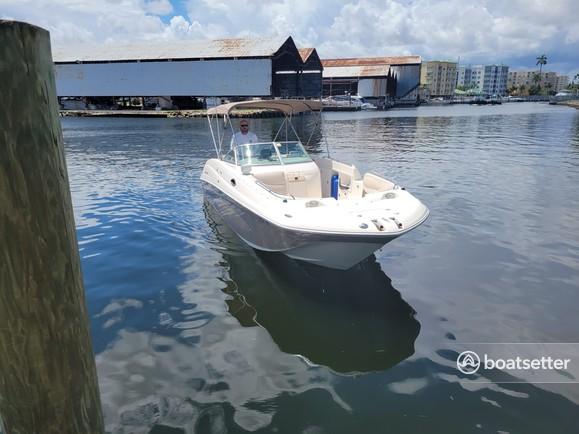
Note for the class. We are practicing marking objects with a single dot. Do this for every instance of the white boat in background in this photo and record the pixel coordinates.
(364, 105)
(276, 198)
(348, 101)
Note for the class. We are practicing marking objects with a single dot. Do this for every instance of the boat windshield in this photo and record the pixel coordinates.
(271, 153)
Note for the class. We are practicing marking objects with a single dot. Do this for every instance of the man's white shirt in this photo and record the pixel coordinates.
(242, 139)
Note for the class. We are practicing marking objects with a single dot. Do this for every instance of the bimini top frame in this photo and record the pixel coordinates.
(288, 107)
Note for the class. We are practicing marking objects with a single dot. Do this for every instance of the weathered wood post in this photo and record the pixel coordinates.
(48, 381)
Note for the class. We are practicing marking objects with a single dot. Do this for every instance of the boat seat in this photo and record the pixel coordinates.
(350, 187)
(265, 154)
(373, 183)
(304, 181)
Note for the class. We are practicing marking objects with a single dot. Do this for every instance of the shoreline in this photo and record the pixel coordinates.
(198, 113)
(201, 113)
(572, 103)
(163, 113)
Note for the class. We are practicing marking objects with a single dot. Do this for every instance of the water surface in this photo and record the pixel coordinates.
(195, 332)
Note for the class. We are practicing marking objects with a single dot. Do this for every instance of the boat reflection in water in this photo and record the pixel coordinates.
(350, 321)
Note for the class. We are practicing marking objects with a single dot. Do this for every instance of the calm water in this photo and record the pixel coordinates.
(194, 332)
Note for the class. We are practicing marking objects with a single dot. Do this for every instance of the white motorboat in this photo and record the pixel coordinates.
(276, 198)
(364, 105)
(348, 101)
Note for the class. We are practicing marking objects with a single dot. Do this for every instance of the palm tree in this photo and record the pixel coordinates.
(535, 89)
(541, 60)
(574, 85)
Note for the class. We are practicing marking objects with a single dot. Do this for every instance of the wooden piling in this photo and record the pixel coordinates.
(48, 381)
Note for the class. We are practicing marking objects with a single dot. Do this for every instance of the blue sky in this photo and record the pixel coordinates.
(513, 32)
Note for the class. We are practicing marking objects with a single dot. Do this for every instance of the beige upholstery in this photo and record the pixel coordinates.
(312, 180)
(298, 180)
(274, 179)
(349, 178)
(305, 182)
(374, 183)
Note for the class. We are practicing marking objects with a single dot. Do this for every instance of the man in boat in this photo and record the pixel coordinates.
(243, 136)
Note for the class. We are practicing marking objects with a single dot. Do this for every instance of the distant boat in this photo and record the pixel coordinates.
(355, 101)
(364, 105)
(479, 100)
(439, 101)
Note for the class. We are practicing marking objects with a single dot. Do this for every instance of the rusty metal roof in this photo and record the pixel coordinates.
(368, 61)
(356, 71)
(305, 53)
(183, 49)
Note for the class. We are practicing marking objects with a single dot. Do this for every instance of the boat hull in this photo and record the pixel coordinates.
(340, 251)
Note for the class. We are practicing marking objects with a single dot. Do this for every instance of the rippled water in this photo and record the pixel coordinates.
(194, 332)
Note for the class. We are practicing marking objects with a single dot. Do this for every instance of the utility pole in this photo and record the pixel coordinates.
(48, 381)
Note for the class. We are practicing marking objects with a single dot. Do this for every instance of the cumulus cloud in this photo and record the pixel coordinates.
(489, 31)
(158, 7)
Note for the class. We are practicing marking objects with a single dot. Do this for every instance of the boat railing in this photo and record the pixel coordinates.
(269, 190)
(229, 156)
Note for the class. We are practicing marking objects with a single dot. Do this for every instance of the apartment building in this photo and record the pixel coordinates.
(562, 82)
(495, 80)
(552, 80)
(439, 78)
(471, 77)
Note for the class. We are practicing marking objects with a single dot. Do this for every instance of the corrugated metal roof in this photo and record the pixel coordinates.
(359, 61)
(356, 71)
(149, 50)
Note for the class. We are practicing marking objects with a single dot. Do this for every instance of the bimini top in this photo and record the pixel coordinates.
(287, 106)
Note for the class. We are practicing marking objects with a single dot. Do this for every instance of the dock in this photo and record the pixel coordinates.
(338, 108)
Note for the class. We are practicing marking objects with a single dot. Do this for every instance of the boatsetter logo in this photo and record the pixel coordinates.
(469, 362)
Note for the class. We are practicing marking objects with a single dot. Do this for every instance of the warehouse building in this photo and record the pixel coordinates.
(375, 78)
(228, 68)
(311, 86)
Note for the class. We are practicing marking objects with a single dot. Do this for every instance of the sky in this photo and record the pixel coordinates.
(512, 32)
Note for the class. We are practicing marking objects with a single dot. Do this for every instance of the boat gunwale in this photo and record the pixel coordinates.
(362, 235)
